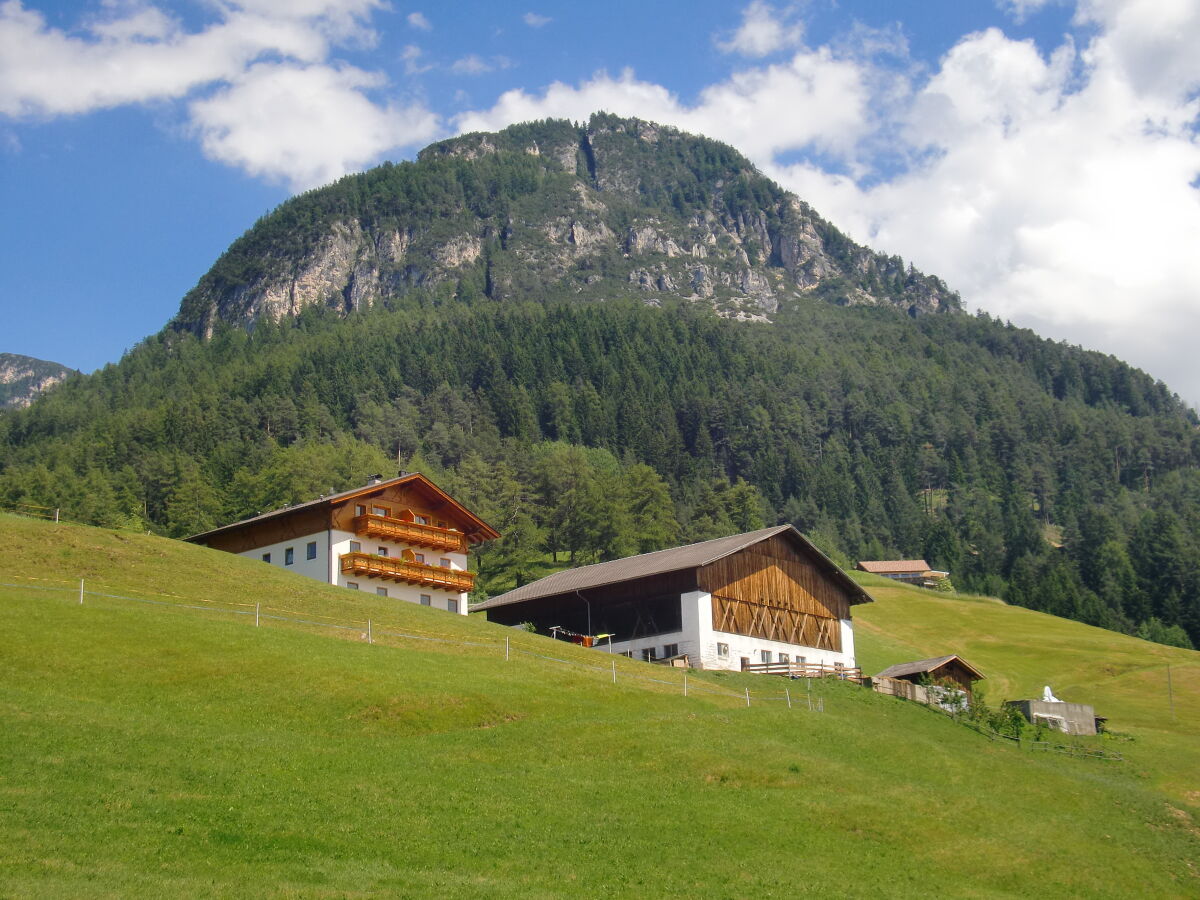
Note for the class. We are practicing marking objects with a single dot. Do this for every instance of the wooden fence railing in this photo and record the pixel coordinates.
(804, 670)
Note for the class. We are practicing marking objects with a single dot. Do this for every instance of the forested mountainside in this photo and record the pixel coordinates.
(587, 417)
(22, 378)
(549, 210)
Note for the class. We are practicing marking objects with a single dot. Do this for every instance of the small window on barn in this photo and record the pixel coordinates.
(628, 654)
(444, 562)
(383, 551)
(723, 651)
(360, 510)
(266, 557)
(670, 650)
(382, 592)
(310, 552)
(783, 658)
(289, 555)
(426, 600)
(355, 547)
(766, 655)
(353, 585)
(452, 604)
(648, 654)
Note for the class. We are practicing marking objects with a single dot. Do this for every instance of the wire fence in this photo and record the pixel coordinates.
(49, 513)
(501, 648)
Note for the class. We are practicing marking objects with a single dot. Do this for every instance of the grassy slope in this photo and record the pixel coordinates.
(149, 750)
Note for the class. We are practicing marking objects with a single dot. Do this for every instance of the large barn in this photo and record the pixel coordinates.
(766, 596)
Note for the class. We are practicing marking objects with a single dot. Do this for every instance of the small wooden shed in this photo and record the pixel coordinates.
(952, 668)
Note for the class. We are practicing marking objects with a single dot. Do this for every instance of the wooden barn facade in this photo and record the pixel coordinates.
(765, 597)
(402, 537)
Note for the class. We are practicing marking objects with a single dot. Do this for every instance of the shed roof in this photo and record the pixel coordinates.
(922, 666)
(660, 562)
(483, 531)
(879, 566)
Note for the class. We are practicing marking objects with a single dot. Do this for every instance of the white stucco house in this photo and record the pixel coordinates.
(766, 597)
(403, 538)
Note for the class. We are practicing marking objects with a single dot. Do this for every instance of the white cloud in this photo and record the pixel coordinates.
(477, 65)
(411, 57)
(418, 21)
(533, 20)
(764, 30)
(262, 90)
(304, 124)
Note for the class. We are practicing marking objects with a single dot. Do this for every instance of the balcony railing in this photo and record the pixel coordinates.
(800, 670)
(389, 529)
(368, 565)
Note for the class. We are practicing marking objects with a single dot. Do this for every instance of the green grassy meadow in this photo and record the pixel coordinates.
(165, 750)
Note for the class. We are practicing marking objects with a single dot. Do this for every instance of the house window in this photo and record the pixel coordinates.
(310, 551)
(422, 520)
(441, 524)
(452, 605)
(382, 592)
(289, 556)
(670, 650)
(379, 510)
(419, 557)
(426, 600)
(383, 551)
(360, 510)
(355, 547)
(445, 563)
(648, 654)
(766, 655)
(723, 651)
(783, 657)
(628, 654)
(266, 557)
(353, 585)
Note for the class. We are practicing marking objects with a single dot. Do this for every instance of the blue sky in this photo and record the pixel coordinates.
(1041, 156)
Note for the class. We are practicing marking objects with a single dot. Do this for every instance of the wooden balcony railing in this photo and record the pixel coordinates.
(389, 529)
(798, 670)
(368, 565)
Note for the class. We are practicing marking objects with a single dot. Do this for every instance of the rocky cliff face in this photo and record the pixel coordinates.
(618, 207)
(22, 378)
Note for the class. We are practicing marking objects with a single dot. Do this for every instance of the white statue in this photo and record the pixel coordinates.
(1048, 695)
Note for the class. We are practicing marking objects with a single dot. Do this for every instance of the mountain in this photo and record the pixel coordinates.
(519, 344)
(614, 208)
(22, 378)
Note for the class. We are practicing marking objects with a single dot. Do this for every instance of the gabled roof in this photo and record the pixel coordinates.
(660, 562)
(922, 666)
(482, 530)
(879, 566)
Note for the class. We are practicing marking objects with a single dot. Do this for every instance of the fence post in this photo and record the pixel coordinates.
(685, 684)
(370, 637)
(614, 662)
(1170, 693)
(81, 592)
(787, 693)
(257, 609)
(747, 696)
(56, 515)
(506, 639)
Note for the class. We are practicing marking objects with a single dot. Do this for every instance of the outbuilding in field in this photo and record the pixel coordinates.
(943, 680)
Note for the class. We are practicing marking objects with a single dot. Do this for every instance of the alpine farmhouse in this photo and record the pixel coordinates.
(404, 538)
(764, 597)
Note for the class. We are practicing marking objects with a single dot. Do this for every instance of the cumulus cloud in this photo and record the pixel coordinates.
(262, 88)
(304, 124)
(417, 20)
(533, 20)
(764, 30)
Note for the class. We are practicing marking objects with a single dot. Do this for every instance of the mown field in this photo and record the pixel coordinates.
(174, 749)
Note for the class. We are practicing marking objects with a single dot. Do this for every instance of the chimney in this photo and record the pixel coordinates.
(374, 480)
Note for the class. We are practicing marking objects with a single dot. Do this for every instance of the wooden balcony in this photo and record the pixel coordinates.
(368, 565)
(389, 529)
